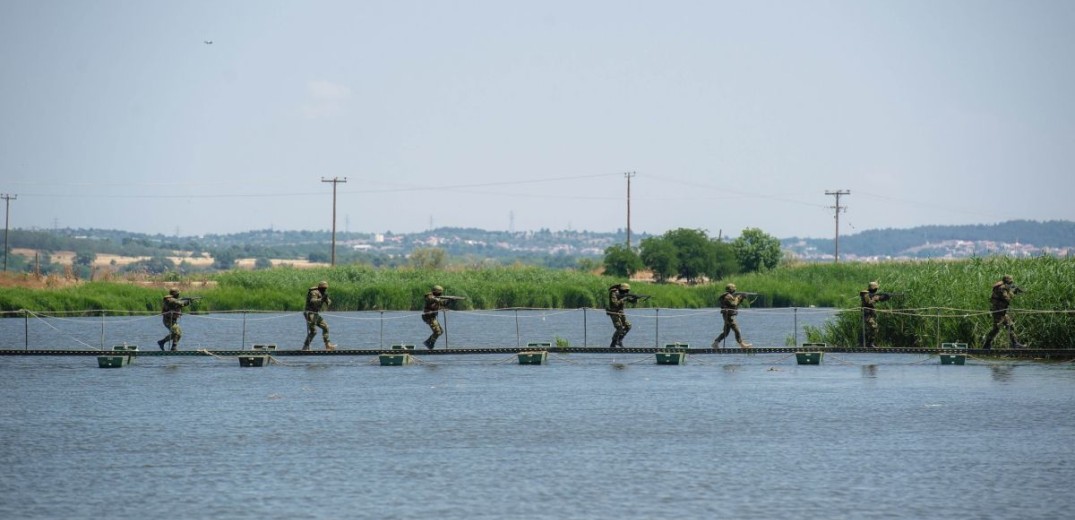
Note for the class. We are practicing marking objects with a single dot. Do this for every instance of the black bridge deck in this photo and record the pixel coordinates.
(1038, 353)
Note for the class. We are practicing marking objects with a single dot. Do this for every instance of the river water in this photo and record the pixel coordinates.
(373, 330)
(585, 436)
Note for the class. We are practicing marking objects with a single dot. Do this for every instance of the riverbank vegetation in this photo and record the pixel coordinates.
(939, 301)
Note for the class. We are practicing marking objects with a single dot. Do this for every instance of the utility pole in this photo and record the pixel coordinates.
(628, 175)
(838, 209)
(7, 217)
(334, 181)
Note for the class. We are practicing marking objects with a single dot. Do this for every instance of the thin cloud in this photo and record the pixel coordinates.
(324, 99)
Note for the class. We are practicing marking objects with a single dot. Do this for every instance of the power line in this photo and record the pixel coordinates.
(948, 207)
(734, 193)
(397, 188)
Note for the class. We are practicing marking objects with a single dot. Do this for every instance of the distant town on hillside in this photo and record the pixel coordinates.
(32, 248)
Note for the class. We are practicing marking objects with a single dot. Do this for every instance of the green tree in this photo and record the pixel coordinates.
(85, 258)
(659, 255)
(262, 262)
(42, 264)
(756, 250)
(152, 265)
(620, 260)
(224, 259)
(428, 258)
(694, 253)
(725, 264)
(587, 264)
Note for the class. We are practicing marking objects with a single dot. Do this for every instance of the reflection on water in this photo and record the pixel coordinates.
(869, 371)
(735, 435)
(586, 436)
(1002, 373)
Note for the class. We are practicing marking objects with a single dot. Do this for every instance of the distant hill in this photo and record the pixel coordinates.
(555, 249)
(1018, 236)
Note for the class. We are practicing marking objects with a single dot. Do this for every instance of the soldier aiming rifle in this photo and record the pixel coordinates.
(729, 308)
(868, 299)
(435, 300)
(1004, 292)
(619, 296)
(317, 300)
(171, 310)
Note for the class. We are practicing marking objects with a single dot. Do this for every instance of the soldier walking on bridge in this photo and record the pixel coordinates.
(618, 297)
(729, 308)
(1004, 292)
(434, 302)
(869, 298)
(317, 300)
(171, 310)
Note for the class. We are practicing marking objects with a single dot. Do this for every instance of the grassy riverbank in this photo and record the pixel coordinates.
(942, 300)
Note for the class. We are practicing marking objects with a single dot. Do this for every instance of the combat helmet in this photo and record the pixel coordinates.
(730, 287)
(174, 292)
(873, 286)
(437, 289)
(322, 285)
(625, 286)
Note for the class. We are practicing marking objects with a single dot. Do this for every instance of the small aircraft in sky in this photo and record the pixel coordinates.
(208, 42)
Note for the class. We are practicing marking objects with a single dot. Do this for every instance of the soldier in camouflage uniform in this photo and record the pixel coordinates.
(1004, 292)
(317, 300)
(869, 298)
(171, 310)
(618, 296)
(729, 308)
(433, 304)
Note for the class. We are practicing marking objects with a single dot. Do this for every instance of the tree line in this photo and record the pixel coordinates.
(691, 255)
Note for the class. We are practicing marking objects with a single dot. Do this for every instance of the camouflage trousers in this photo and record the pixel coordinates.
(619, 321)
(313, 322)
(434, 325)
(730, 325)
(1001, 319)
(174, 332)
(869, 330)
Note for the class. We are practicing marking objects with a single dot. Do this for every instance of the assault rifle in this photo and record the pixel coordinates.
(1016, 289)
(451, 298)
(743, 293)
(191, 299)
(635, 298)
(889, 295)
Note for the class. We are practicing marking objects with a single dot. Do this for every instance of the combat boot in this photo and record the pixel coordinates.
(330, 346)
(175, 345)
(716, 344)
(744, 344)
(429, 342)
(161, 343)
(306, 347)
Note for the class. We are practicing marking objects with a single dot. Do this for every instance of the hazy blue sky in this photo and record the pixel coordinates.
(495, 114)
